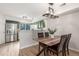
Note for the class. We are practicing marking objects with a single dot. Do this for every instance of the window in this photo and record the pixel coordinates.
(24, 26)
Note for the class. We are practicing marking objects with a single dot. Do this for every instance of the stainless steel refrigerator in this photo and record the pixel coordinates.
(10, 32)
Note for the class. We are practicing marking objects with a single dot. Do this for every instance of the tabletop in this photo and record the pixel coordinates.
(50, 41)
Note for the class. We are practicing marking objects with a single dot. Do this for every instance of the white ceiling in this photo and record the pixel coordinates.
(32, 10)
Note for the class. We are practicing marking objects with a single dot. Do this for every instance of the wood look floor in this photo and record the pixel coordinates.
(9, 49)
(32, 51)
(12, 49)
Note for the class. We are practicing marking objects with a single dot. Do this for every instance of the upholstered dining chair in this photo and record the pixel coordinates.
(60, 47)
(67, 43)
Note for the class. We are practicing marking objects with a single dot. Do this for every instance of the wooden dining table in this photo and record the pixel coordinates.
(47, 42)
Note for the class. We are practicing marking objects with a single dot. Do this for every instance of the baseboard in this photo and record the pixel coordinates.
(75, 50)
(28, 45)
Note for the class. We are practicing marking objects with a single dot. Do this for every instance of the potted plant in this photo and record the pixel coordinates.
(51, 32)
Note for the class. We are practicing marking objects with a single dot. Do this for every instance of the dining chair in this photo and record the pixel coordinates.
(40, 35)
(67, 43)
(46, 34)
(56, 49)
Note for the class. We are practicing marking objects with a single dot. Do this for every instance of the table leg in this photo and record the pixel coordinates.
(46, 51)
(42, 51)
(39, 47)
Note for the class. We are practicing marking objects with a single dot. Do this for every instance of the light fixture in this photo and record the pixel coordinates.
(50, 13)
(26, 17)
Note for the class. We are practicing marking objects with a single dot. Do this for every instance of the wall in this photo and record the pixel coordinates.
(26, 39)
(2, 29)
(67, 24)
(3, 18)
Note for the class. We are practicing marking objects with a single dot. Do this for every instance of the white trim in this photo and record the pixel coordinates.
(74, 49)
(28, 45)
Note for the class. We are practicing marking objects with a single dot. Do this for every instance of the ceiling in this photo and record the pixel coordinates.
(32, 10)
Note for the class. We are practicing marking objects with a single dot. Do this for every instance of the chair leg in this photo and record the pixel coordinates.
(63, 53)
(57, 54)
(50, 52)
(39, 48)
(53, 53)
(47, 52)
(67, 51)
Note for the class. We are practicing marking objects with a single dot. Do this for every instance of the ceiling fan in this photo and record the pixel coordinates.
(51, 12)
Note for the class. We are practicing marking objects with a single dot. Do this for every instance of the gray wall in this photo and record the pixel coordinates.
(67, 24)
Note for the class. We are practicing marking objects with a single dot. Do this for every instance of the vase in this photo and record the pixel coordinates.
(51, 35)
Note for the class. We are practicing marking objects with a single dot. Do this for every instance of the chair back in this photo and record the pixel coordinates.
(46, 34)
(67, 40)
(40, 35)
(62, 42)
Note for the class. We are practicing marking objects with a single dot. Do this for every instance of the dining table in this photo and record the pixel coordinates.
(47, 42)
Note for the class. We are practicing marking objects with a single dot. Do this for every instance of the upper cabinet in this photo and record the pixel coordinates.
(59, 8)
